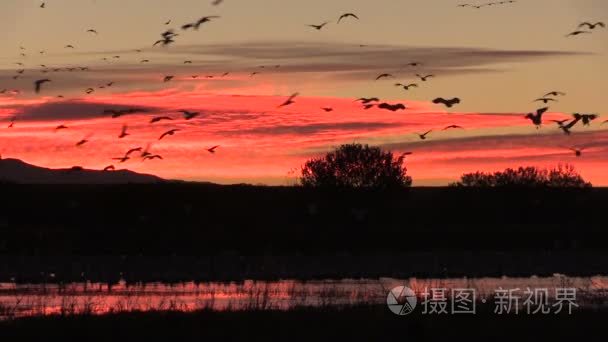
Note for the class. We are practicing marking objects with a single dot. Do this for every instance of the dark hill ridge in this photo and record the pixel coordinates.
(20, 172)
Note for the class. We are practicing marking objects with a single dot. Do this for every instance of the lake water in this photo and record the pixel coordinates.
(22, 300)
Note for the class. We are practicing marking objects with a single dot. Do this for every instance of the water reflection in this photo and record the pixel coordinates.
(21, 300)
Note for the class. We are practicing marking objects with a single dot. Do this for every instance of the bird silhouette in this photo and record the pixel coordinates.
(196, 25)
(576, 33)
(585, 118)
(578, 152)
(168, 78)
(592, 26)
(123, 132)
(537, 118)
(392, 107)
(566, 128)
(69, 47)
(89, 90)
(453, 127)
(92, 31)
(327, 109)
(189, 115)
(212, 149)
(424, 78)
(447, 102)
(109, 168)
(545, 100)
(122, 159)
(423, 136)
(120, 112)
(152, 157)
(319, 27)
(289, 101)
(133, 150)
(365, 100)
(383, 76)
(170, 132)
(38, 84)
(187, 62)
(346, 15)
(83, 141)
(160, 118)
(408, 86)
(216, 2)
(168, 22)
(413, 64)
(60, 127)
(145, 61)
(555, 93)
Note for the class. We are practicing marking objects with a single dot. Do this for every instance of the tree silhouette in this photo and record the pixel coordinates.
(356, 166)
(562, 176)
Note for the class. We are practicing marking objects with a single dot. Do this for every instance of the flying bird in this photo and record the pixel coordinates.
(424, 78)
(392, 107)
(168, 22)
(133, 150)
(152, 157)
(187, 62)
(592, 26)
(212, 149)
(453, 127)
(576, 33)
(577, 151)
(414, 64)
(123, 132)
(160, 118)
(423, 135)
(586, 118)
(537, 118)
(197, 24)
(346, 15)
(216, 2)
(89, 90)
(189, 115)
(383, 76)
(170, 132)
(555, 93)
(109, 168)
(168, 78)
(545, 100)
(319, 27)
(289, 101)
(365, 100)
(327, 109)
(83, 141)
(92, 31)
(69, 46)
(122, 159)
(447, 102)
(60, 127)
(38, 84)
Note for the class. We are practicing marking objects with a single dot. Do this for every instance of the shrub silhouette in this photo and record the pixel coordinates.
(356, 166)
(562, 176)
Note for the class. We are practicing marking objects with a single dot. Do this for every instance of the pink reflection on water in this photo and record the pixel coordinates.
(22, 300)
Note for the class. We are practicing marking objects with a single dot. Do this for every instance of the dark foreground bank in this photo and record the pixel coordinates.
(375, 323)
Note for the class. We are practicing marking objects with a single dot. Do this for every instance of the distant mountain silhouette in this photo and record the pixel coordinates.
(18, 171)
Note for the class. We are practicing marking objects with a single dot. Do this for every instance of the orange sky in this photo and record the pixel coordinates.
(497, 70)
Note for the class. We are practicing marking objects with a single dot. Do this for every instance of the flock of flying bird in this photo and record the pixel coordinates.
(168, 37)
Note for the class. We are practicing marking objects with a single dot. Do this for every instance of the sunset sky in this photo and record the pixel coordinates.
(497, 59)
